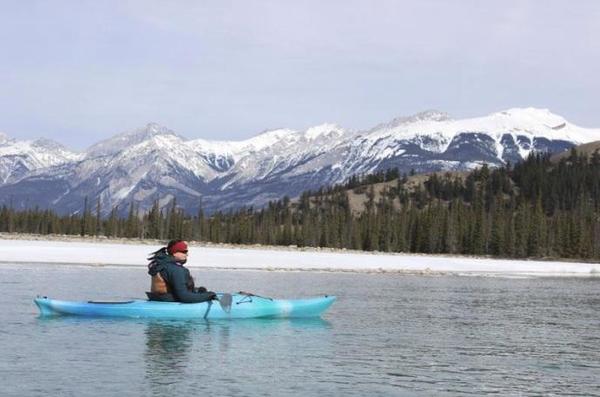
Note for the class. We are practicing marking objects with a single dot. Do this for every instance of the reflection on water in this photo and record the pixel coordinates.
(179, 350)
(190, 354)
(168, 349)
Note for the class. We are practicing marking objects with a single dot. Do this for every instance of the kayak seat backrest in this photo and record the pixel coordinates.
(158, 285)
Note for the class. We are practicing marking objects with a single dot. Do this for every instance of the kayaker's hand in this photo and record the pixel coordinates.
(212, 296)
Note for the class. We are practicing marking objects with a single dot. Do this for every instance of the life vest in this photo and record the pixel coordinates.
(158, 285)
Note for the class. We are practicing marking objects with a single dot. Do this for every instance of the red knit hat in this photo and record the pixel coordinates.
(179, 246)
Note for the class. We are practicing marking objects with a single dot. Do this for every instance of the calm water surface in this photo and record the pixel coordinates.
(389, 335)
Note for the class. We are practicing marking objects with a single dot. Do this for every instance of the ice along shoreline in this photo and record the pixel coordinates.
(68, 250)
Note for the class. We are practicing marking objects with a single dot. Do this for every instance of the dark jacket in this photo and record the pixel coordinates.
(180, 282)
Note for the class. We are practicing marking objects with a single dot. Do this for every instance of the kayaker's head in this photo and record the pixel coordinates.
(178, 249)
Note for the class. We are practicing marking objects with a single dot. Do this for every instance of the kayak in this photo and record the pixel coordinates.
(239, 305)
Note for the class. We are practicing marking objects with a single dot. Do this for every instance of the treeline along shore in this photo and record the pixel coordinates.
(540, 208)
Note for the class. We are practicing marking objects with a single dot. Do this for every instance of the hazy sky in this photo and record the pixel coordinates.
(80, 71)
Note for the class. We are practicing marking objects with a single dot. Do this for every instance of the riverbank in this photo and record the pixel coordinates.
(72, 250)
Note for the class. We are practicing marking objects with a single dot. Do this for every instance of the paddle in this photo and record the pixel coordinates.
(250, 294)
(225, 302)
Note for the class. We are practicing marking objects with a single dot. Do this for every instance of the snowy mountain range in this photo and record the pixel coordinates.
(154, 163)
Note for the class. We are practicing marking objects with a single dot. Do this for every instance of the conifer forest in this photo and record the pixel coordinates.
(538, 208)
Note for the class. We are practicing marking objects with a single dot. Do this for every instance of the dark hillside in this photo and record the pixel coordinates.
(588, 149)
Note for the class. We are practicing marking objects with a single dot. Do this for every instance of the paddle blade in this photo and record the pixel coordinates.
(225, 302)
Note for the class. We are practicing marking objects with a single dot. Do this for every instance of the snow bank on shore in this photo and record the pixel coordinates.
(96, 253)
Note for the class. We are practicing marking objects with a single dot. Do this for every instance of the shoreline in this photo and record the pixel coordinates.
(104, 252)
(397, 272)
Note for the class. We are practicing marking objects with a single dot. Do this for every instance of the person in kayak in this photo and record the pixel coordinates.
(171, 281)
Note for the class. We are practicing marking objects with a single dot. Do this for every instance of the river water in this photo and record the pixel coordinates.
(388, 335)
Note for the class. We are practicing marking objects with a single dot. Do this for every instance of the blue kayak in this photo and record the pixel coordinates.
(240, 305)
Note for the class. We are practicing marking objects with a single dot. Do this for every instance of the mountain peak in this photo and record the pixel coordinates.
(267, 138)
(3, 138)
(150, 130)
(275, 132)
(539, 121)
(129, 138)
(326, 129)
(428, 115)
(156, 129)
(48, 144)
(530, 114)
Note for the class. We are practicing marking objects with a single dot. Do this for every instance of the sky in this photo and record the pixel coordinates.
(81, 71)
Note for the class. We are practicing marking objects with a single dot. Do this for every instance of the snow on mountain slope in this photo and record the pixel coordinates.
(142, 172)
(509, 135)
(287, 155)
(224, 155)
(529, 122)
(17, 158)
(240, 149)
(170, 148)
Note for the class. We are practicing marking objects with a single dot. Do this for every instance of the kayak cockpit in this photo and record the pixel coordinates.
(110, 302)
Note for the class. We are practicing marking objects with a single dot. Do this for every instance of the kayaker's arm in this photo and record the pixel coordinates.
(182, 294)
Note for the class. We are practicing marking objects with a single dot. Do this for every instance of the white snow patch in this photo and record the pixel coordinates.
(123, 192)
(169, 181)
(144, 193)
(18, 251)
(165, 200)
(499, 149)
(385, 153)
